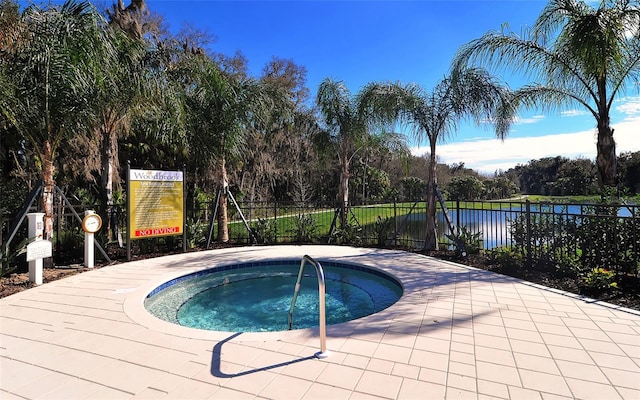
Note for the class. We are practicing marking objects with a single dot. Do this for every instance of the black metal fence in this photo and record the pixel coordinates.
(605, 236)
(559, 234)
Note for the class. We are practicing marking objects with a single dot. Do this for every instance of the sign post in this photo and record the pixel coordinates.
(91, 223)
(38, 248)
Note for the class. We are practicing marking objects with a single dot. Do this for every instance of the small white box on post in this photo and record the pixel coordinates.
(37, 249)
(91, 223)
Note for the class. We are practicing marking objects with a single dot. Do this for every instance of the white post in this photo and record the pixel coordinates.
(88, 243)
(35, 230)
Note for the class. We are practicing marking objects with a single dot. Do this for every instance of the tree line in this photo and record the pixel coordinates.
(548, 176)
(560, 176)
(85, 91)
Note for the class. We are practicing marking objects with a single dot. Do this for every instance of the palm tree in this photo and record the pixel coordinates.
(51, 71)
(118, 99)
(125, 91)
(10, 29)
(350, 127)
(578, 55)
(223, 109)
(435, 115)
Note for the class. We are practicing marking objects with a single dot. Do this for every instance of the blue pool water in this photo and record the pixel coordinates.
(255, 297)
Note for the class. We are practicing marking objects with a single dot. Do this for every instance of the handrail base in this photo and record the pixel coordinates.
(322, 354)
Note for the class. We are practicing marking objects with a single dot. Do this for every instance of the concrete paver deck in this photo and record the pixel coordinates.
(456, 333)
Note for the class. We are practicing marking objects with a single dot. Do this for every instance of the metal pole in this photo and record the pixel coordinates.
(212, 221)
(128, 180)
(184, 208)
(528, 232)
(458, 223)
(13, 229)
(59, 216)
(395, 222)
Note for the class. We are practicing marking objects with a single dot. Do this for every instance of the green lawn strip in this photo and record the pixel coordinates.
(572, 199)
(563, 199)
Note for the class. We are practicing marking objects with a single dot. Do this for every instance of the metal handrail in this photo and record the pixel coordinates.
(321, 290)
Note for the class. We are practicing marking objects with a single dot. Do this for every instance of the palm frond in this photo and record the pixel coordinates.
(335, 103)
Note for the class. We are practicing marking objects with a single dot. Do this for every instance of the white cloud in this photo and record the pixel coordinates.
(532, 120)
(627, 134)
(573, 113)
(629, 106)
(489, 155)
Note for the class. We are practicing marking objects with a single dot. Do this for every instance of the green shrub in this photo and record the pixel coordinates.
(598, 281)
(383, 229)
(507, 257)
(264, 230)
(8, 259)
(71, 238)
(305, 229)
(607, 239)
(568, 243)
(349, 233)
(196, 232)
(567, 262)
(471, 241)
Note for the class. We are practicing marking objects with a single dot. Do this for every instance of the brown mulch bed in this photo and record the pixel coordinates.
(628, 294)
(17, 282)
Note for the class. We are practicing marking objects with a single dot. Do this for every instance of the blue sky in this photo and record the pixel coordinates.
(408, 41)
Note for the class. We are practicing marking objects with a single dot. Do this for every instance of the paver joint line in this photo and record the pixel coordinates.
(494, 335)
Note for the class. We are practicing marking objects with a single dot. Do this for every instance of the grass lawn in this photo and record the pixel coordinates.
(289, 222)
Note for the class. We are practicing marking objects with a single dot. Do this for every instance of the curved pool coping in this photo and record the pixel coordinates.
(275, 262)
(134, 302)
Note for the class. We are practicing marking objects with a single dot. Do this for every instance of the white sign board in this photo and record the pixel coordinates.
(39, 249)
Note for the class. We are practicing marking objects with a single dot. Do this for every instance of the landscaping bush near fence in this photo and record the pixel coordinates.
(578, 238)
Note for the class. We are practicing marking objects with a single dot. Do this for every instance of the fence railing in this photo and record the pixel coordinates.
(599, 235)
(607, 236)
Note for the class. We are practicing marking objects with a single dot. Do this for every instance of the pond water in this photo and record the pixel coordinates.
(494, 224)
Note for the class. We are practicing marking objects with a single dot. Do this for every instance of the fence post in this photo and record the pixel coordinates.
(634, 227)
(458, 215)
(250, 203)
(275, 219)
(528, 233)
(395, 223)
(59, 217)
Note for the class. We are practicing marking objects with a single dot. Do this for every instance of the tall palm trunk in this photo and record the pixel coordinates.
(431, 239)
(606, 159)
(109, 152)
(223, 222)
(48, 171)
(344, 191)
